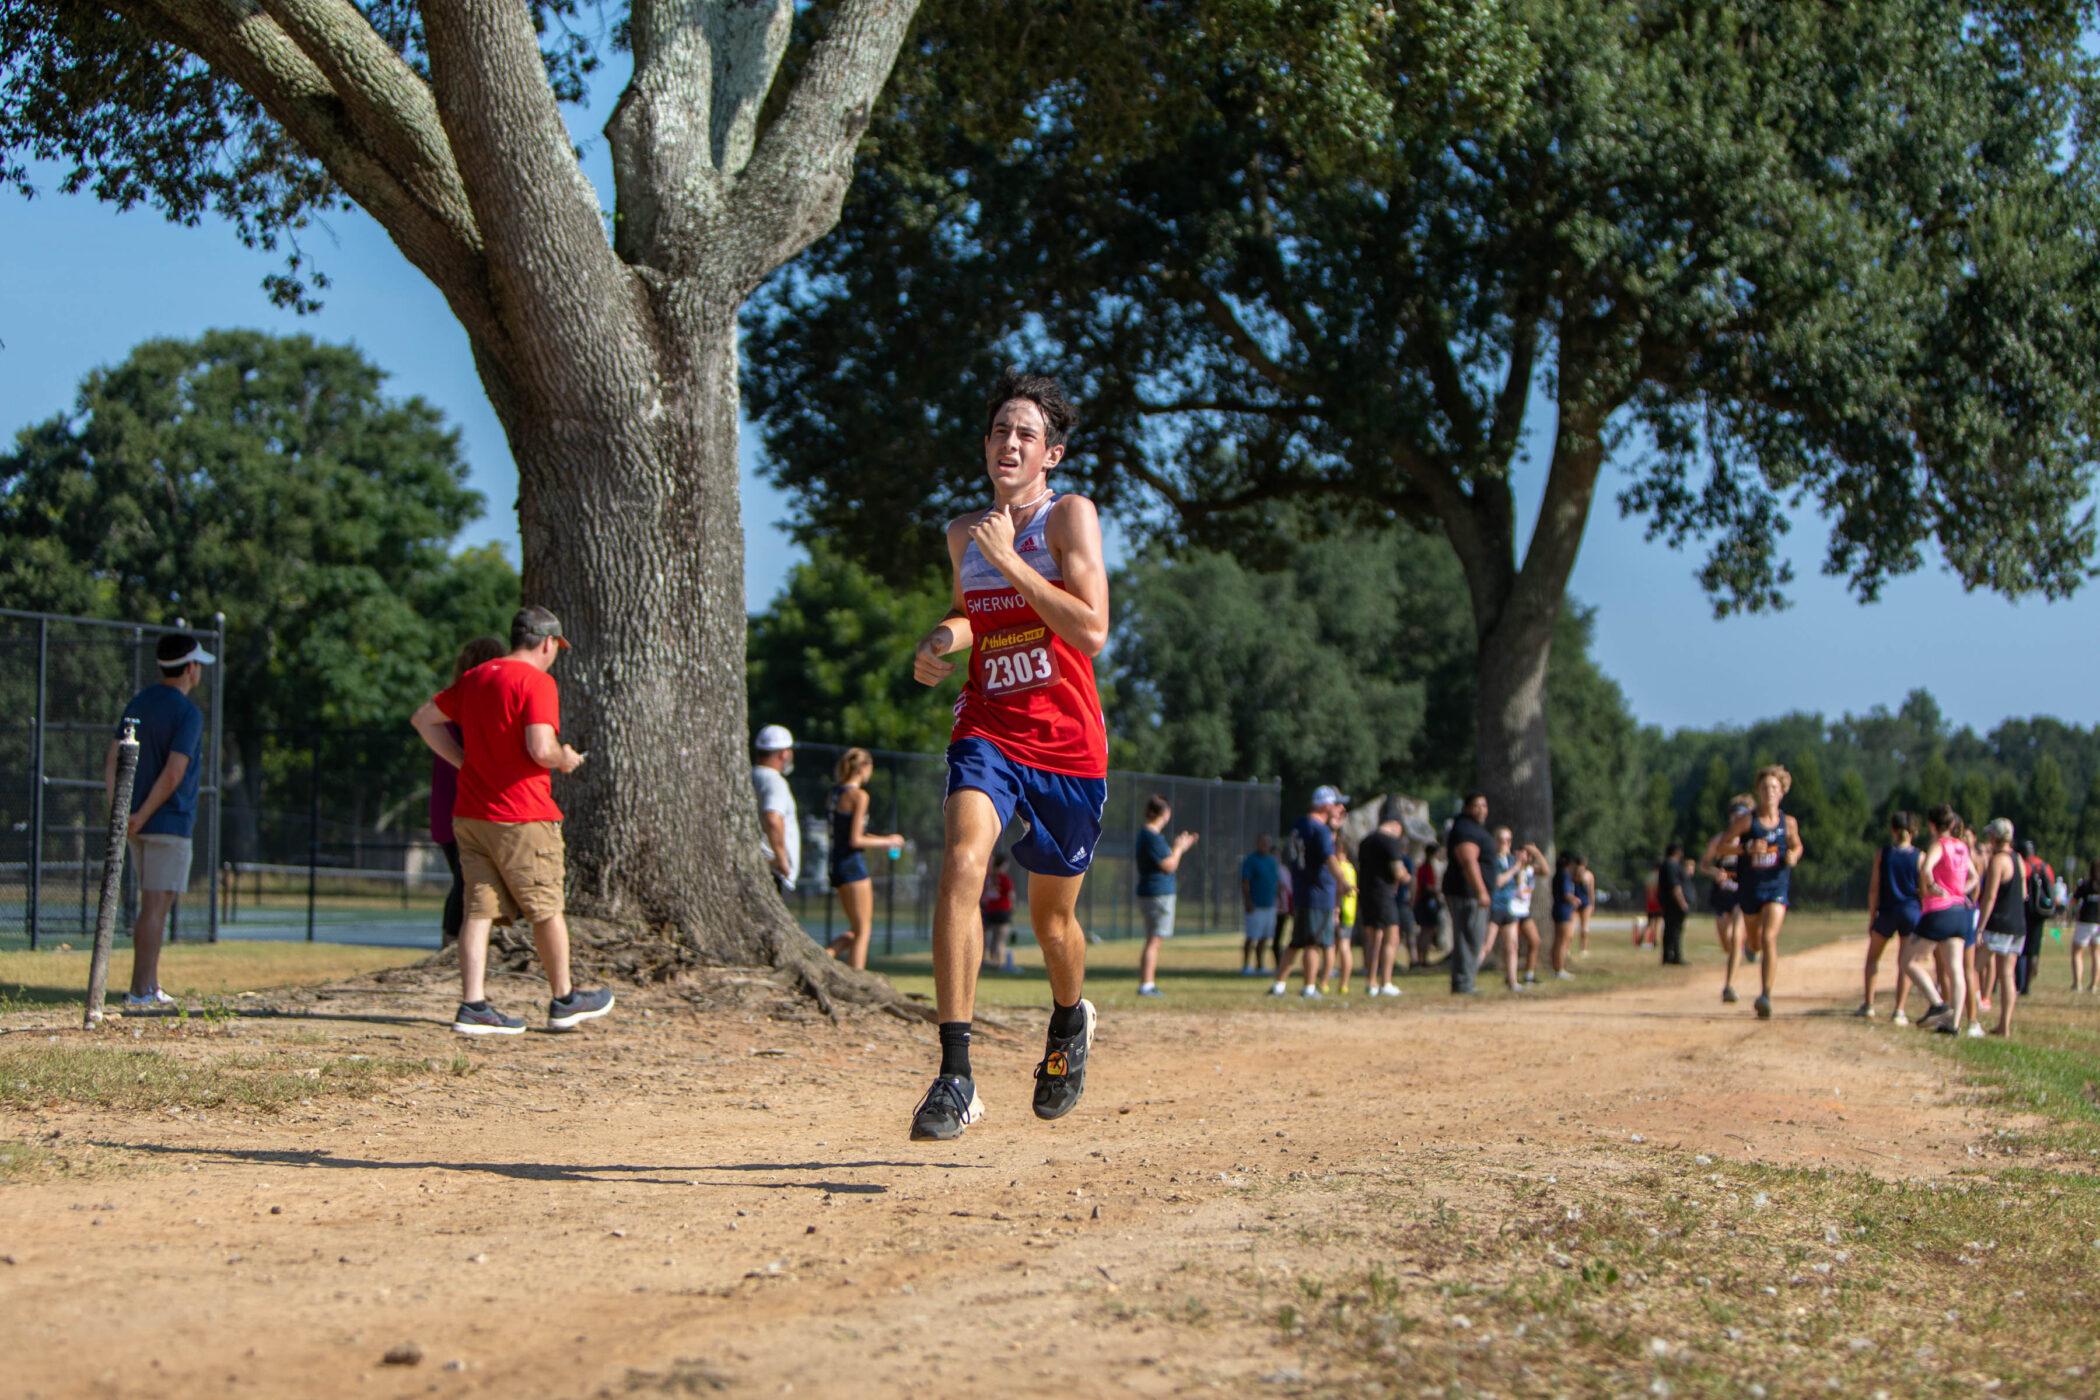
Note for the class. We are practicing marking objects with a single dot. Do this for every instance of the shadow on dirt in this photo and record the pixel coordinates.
(661, 1175)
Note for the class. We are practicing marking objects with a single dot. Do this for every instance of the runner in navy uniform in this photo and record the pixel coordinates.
(1031, 608)
(1728, 917)
(1892, 910)
(1767, 844)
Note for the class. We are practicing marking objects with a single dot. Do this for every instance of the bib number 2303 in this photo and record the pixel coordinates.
(1010, 670)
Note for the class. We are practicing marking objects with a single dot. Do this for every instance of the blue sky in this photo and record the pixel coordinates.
(84, 284)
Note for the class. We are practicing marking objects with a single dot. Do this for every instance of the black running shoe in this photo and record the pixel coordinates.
(1728, 994)
(567, 1013)
(1060, 1080)
(487, 1021)
(1764, 1008)
(949, 1106)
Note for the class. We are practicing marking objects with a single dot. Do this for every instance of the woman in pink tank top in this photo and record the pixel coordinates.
(1946, 872)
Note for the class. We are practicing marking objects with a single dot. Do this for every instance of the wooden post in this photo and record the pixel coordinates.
(112, 873)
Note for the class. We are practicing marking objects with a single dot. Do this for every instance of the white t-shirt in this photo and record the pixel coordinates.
(773, 796)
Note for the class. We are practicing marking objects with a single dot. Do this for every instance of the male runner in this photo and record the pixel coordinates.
(1031, 608)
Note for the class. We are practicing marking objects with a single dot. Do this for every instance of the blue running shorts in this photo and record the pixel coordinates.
(1062, 814)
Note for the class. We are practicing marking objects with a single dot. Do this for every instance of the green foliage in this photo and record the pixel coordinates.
(267, 478)
(2089, 822)
(1839, 257)
(831, 658)
(135, 120)
(2045, 815)
(1347, 660)
(1227, 672)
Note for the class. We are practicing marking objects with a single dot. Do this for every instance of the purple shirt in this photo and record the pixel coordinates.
(444, 790)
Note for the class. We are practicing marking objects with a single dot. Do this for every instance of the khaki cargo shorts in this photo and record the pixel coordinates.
(511, 868)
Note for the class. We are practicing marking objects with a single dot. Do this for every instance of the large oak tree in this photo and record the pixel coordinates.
(607, 348)
(1769, 257)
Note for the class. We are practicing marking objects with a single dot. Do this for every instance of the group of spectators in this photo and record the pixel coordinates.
(1312, 905)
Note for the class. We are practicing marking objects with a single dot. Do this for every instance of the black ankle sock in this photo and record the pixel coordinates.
(955, 1048)
(1067, 1020)
(481, 1005)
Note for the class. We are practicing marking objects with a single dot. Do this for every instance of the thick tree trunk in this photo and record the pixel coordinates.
(1514, 764)
(1515, 611)
(629, 515)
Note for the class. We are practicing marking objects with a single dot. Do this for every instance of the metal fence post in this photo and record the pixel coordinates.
(36, 781)
(313, 823)
(889, 917)
(218, 770)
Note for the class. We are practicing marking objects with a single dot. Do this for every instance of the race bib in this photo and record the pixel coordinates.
(1764, 855)
(1019, 659)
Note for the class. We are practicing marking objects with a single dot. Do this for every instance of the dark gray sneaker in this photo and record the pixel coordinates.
(487, 1021)
(569, 1012)
(1060, 1080)
(949, 1106)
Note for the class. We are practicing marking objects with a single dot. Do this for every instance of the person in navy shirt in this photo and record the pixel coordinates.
(1316, 884)
(170, 731)
(1261, 880)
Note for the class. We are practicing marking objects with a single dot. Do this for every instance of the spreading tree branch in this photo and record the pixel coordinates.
(792, 190)
(249, 47)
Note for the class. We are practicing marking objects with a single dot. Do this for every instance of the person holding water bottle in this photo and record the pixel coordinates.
(848, 808)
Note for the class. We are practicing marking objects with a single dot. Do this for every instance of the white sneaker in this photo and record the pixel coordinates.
(1899, 1019)
(1278, 990)
(152, 1001)
(1975, 1030)
(1372, 990)
(1312, 993)
(1389, 990)
(1564, 976)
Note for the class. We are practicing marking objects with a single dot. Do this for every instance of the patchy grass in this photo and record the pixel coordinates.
(2050, 1066)
(194, 971)
(55, 1075)
(1202, 971)
(1694, 1278)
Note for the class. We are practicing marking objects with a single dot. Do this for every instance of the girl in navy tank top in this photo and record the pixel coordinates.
(1766, 843)
(1719, 865)
(848, 809)
(1892, 909)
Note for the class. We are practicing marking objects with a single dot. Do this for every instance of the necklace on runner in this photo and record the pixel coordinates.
(1031, 505)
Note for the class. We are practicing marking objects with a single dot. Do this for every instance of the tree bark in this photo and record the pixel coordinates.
(1515, 613)
(632, 534)
(611, 364)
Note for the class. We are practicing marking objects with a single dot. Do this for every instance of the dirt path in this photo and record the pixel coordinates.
(677, 1204)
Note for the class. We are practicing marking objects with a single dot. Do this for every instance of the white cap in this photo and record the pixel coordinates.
(773, 738)
(1327, 795)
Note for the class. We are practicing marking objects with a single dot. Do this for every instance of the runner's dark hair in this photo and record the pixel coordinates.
(1904, 822)
(1042, 391)
(1942, 816)
(476, 653)
(1155, 804)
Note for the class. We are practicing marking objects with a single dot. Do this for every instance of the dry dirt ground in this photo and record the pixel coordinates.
(681, 1201)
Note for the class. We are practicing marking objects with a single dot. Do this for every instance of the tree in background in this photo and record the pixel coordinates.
(2045, 814)
(831, 658)
(2089, 823)
(1766, 255)
(270, 479)
(606, 340)
(1345, 658)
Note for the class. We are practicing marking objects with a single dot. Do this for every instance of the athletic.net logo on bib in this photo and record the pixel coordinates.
(1017, 660)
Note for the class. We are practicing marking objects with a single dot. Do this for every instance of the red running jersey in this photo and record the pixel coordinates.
(1030, 692)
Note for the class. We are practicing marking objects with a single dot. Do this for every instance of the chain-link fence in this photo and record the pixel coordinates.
(905, 794)
(327, 836)
(64, 683)
(324, 833)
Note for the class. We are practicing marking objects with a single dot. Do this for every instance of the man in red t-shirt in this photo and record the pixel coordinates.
(504, 819)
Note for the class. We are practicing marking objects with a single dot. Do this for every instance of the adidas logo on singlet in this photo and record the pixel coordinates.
(1029, 545)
